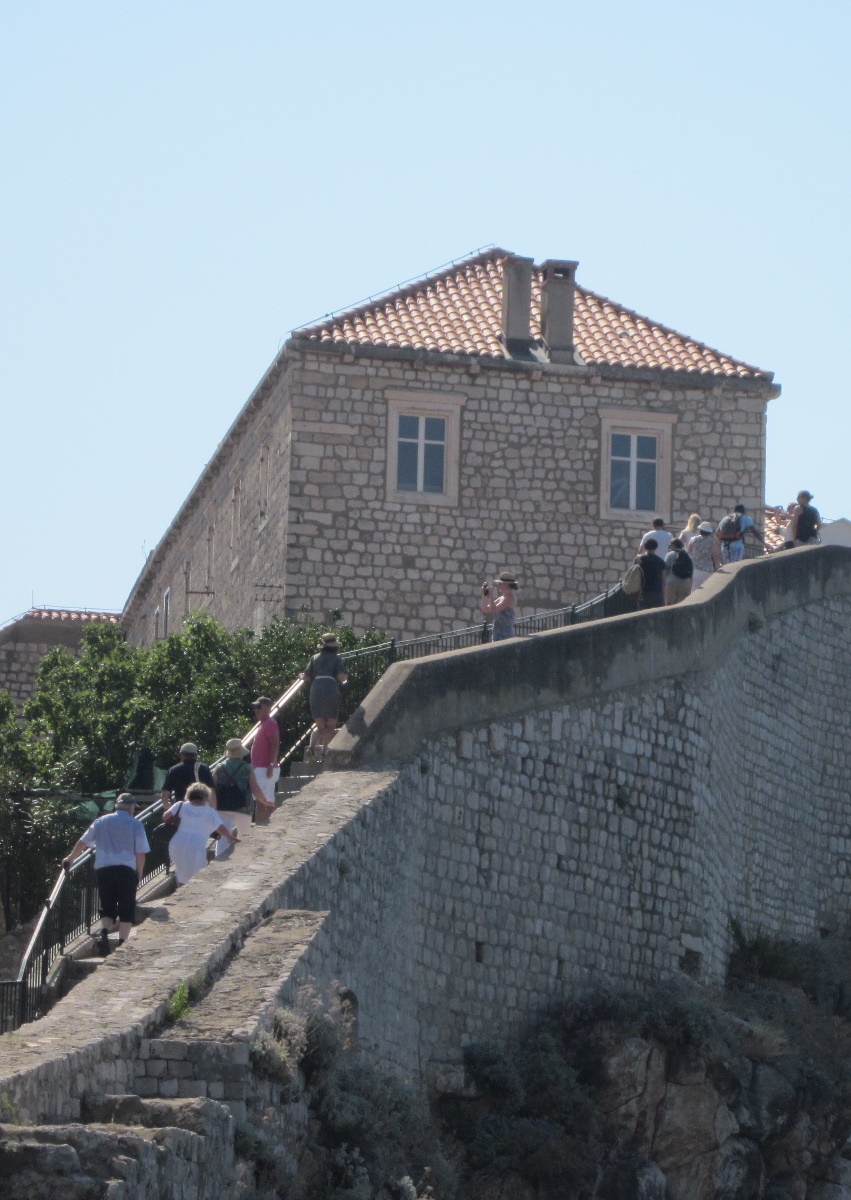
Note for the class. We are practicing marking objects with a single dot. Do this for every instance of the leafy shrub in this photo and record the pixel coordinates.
(493, 1072)
(764, 956)
(180, 1002)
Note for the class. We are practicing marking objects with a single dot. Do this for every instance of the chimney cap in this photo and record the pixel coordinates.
(560, 268)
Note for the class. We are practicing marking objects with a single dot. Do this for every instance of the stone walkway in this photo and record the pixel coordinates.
(90, 1040)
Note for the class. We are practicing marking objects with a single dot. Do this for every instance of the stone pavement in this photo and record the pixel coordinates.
(91, 1040)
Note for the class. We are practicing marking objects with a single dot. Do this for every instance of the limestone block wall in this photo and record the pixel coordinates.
(529, 483)
(516, 823)
(225, 550)
(302, 475)
(18, 665)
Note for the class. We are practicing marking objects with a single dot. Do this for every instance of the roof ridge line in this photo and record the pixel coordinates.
(406, 287)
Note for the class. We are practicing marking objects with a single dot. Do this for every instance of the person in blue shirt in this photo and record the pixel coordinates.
(120, 845)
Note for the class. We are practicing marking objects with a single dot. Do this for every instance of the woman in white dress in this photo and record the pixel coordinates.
(188, 848)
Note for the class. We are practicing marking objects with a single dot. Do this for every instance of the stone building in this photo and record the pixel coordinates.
(26, 639)
(493, 415)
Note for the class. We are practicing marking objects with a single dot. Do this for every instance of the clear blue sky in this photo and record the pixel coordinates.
(185, 182)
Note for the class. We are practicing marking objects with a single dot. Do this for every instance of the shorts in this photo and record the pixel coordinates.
(677, 589)
(117, 892)
(267, 785)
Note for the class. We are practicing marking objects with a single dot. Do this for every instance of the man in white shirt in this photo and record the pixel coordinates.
(660, 536)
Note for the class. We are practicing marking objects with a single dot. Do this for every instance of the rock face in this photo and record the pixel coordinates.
(132, 1150)
(720, 1130)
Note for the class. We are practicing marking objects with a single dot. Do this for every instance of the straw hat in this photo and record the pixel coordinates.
(234, 748)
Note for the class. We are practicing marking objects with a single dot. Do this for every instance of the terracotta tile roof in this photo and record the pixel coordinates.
(72, 616)
(459, 311)
(776, 520)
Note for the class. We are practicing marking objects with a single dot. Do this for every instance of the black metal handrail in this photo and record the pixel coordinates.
(68, 913)
(72, 907)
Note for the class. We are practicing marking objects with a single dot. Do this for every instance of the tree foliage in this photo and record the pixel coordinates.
(35, 831)
(90, 714)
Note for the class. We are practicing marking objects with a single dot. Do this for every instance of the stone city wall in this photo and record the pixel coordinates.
(318, 530)
(18, 666)
(513, 824)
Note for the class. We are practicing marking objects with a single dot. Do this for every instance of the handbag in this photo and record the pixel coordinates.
(168, 827)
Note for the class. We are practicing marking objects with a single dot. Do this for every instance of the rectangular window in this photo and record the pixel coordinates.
(633, 471)
(421, 463)
(423, 446)
(166, 610)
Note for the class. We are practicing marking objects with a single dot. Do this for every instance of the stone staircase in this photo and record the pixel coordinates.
(83, 959)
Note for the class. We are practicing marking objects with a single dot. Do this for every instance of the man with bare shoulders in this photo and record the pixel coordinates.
(806, 521)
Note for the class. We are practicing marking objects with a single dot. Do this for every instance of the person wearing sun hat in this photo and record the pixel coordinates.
(503, 606)
(237, 790)
(325, 672)
(705, 554)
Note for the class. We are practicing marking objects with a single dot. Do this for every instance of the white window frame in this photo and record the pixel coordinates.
(641, 424)
(425, 404)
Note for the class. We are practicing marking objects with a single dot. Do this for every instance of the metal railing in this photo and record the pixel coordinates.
(69, 912)
(72, 906)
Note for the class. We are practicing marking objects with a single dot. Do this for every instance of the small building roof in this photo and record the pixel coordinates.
(459, 311)
(57, 626)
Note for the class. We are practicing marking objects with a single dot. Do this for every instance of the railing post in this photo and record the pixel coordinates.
(391, 652)
(484, 634)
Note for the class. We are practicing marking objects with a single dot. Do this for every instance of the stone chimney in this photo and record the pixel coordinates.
(517, 304)
(557, 292)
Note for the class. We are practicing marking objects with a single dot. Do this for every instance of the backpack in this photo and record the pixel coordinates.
(682, 565)
(229, 795)
(633, 580)
(729, 528)
(807, 520)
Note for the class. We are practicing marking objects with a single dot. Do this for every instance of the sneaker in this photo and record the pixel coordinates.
(103, 946)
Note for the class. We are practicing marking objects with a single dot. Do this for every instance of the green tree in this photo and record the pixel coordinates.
(81, 716)
(195, 686)
(89, 715)
(35, 831)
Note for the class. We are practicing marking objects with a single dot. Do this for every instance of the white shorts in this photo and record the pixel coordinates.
(267, 784)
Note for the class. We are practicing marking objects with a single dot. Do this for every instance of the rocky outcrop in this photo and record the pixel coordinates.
(695, 1127)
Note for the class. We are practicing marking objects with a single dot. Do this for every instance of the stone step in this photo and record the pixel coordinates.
(304, 770)
(206, 1052)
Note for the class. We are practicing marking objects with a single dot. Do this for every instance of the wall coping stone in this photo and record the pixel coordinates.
(416, 700)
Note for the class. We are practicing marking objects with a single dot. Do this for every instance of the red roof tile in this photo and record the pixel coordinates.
(72, 616)
(459, 311)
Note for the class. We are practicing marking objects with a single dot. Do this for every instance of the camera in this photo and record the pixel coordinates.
(485, 590)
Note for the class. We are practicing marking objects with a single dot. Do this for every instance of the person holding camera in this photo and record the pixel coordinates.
(503, 606)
